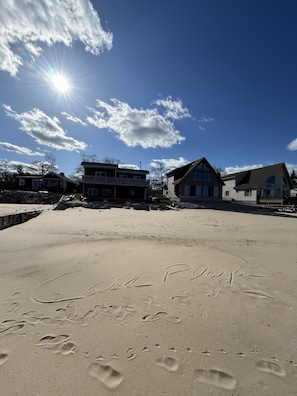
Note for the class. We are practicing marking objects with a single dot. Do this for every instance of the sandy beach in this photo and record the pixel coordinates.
(127, 302)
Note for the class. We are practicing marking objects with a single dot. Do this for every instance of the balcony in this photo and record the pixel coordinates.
(116, 181)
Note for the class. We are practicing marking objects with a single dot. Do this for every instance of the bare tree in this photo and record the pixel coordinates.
(43, 167)
(89, 158)
(108, 160)
(157, 176)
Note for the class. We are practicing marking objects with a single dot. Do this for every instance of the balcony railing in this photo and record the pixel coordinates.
(116, 181)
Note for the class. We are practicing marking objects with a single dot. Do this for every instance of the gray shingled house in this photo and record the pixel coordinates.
(270, 184)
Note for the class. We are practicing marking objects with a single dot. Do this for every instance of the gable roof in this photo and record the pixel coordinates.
(50, 175)
(180, 173)
(253, 178)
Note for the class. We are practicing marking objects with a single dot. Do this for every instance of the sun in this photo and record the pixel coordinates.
(61, 83)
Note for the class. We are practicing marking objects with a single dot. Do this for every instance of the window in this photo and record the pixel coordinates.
(198, 191)
(198, 175)
(207, 176)
(100, 175)
(270, 180)
(123, 176)
(92, 192)
(137, 177)
(202, 176)
(205, 191)
(227, 193)
(216, 191)
(21, 182)
(247, 193)
(187, 190)
(35, 184)
(106, 192)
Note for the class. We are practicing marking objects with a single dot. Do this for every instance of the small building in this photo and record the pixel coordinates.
(111, 181)
(51, 182)
(266, 185)
(195, 182)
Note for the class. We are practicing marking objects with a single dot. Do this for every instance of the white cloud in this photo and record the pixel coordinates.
(148, 128)
(18, 149)
(74, 119)
(174, 109)
(293, 145)
(129, 166)
(291, 167)
(45, 130)
(236, 169)
(11, 166)
(49, 22)
(205, 119)
(168, 164)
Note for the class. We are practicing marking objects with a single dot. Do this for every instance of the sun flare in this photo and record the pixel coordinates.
(61, 83)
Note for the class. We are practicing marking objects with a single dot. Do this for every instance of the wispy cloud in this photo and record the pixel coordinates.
(293, 145)
(237, 168)
(49, 22)
(206, 119)
(74, 119)
(174, 109)
(18, 149)
(169, 164)
(129, 166)
(45, 130)
(11, 166)
(148, 128)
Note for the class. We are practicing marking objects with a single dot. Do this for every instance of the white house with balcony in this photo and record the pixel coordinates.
(113, 182)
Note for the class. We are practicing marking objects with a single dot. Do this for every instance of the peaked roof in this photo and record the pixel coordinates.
(49, 175)
(180, 173)
(253, 178)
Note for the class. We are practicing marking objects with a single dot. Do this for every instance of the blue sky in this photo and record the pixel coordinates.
(149, 80)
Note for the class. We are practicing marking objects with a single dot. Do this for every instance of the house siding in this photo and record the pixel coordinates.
(196, 182)
(108, 181)
(274, 187)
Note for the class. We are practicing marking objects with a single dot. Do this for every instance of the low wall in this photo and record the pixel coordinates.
(18, 218)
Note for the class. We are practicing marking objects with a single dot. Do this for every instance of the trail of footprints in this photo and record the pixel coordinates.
(105, 373)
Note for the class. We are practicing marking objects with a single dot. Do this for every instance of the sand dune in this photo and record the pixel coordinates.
(125, 302)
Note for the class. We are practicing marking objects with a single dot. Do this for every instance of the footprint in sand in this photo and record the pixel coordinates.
(58, 344)
(86, 319)
(50, 341)
(12, 329)
(168, 363)
(161, 315)
(106, 375)
(3, 357)
(13, 307)
(220, 379)
(270, 367)
(66, 348)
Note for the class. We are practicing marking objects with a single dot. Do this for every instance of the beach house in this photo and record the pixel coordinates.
(269, 184)
(113, 182)
(51, 182)
(197, 181)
